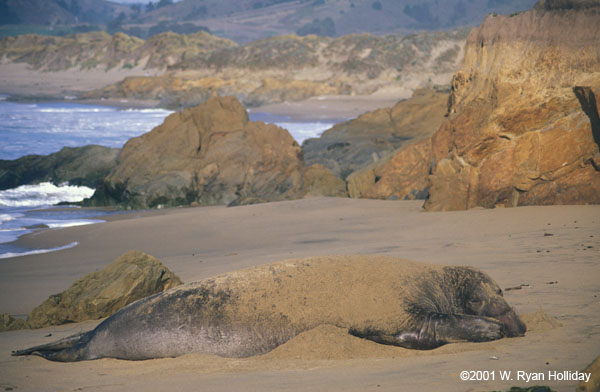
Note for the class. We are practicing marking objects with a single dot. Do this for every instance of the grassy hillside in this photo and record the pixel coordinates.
(99, 49)
(59, 12)
(250, 20)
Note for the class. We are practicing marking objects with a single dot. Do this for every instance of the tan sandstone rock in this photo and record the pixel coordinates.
(402, 175)
(207, 155)
(366, 141)
(524, 126)
(133, 276)
(9, 323)
(593, 385)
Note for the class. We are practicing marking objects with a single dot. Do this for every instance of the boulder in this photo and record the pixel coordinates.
(593, 384)
(77, 165)
(402, 175)
(355, 144)
(206, 155)
(133, 276)
(523, 125)
(9, 323)
(320, 181)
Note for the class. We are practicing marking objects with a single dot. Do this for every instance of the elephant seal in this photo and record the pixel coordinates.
(250, 312)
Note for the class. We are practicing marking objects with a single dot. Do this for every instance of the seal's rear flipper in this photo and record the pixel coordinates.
(68, 349)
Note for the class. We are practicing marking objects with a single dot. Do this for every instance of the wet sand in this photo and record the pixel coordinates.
(526, 245)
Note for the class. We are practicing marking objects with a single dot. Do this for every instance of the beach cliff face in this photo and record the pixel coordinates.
(523, 125)
(212, 154)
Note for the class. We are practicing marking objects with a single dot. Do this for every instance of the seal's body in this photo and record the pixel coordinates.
(250, 312)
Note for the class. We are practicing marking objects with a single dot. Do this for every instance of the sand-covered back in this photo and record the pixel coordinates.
(356, 291)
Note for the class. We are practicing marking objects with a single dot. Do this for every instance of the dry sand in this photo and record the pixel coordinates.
(526, 245)
(21, 79)
(334, 108)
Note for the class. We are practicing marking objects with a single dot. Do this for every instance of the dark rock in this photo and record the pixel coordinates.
(79, 166)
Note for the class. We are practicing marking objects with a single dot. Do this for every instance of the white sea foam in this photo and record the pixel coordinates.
(301, 131)
(43, 194)
(73, 223)
(8, 217)
(76, 110)
(150, 110)
(37, 251)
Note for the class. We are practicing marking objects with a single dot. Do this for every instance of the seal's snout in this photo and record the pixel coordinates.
(513, 326)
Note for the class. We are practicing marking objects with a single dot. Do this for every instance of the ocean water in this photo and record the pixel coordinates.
(44, 128)
(29, 207)
(300, 131)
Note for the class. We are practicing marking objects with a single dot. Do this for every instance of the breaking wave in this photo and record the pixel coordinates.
(44, 194)
(37, 251)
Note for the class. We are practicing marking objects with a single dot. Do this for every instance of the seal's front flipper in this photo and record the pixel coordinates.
(69, 349)
(438, 329)
(462, 327)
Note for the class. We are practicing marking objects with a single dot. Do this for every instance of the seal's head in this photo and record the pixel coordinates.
(479, 295)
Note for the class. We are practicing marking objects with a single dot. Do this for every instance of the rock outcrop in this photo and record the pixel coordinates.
(9, 323)
(524, 126)
(77, 165)
(206, 155)
(367, 140)
(401, 175)
(133, 276)
(593, 384)
(320, 181)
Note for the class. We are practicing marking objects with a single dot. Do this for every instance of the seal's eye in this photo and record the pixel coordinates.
(499, 292)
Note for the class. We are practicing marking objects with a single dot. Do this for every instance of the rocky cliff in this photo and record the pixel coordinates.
(523, 126)
(212, 154)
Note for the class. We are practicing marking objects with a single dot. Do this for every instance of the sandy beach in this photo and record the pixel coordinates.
(552, 250)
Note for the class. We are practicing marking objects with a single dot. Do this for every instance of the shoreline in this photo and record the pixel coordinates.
(17, 79)
(510, 244)
(334, 108)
